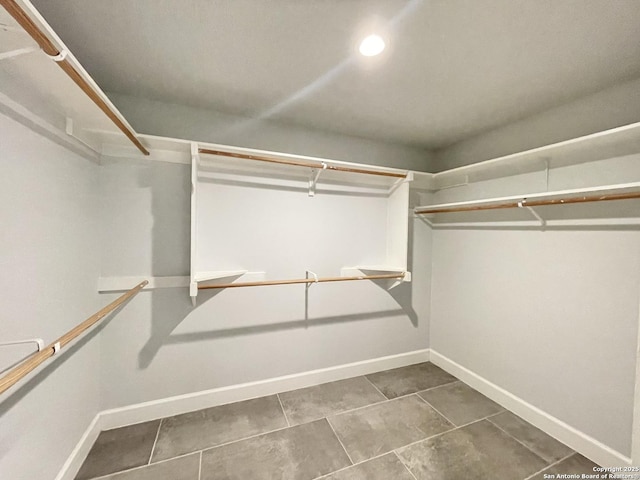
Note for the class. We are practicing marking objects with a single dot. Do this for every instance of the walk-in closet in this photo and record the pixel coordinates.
(319, 240)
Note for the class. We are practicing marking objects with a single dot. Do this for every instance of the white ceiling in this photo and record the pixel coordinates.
(453, 68)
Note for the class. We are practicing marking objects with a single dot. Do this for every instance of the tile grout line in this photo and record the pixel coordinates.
(339, 441)
(241, 439)
(448, 384)
(395, 451)
(200, 451)
(283, 412)
(405, 446)
(211, 447)
(200, 467)
(404, 465)
(398, 448)
(153, 448)
(140, 467)
(351, 466)
(374, 386)
(425, 439)
(517, 440)
(480, 419)
(386, 400)
(530, 477)
(436, 410)
(439, 434)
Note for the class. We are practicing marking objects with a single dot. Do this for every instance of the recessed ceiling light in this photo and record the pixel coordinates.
(372, 46)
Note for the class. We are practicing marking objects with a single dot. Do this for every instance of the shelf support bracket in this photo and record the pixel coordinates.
(306, 292)
(523, 204)
(463, 183)
(315, 278)
(195, 161)
(547, 166)
(424, 219)
(313, 178)
(37, 341)
(70, 130)
(400, 181)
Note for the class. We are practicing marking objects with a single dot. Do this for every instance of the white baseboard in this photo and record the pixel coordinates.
(166, 407)
(72, 466)
(574, 438)
(142, 412)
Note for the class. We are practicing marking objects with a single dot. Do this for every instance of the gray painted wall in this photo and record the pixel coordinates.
(550, 316)
(178, 121)
(166, 347)
(610, 108)
(49, 257)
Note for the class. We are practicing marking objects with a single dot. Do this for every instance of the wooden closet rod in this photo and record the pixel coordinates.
(302, 280)
(532, 203)
(33, 361)
(317, 165)
(50, 49)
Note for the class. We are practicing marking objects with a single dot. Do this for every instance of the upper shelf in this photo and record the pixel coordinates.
(234, 160)
(43, 83)
(603, 145)
(560, 197)
(610, 206)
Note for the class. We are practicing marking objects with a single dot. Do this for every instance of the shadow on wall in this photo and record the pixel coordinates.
(169, 309)
(170, 256)
(13, 396)
(403, 293)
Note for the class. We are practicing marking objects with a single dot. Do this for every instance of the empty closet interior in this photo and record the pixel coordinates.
(238, 242)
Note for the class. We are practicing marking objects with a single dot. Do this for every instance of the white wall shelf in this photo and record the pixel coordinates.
(616, 142)
(42, 89)
(605, 208)
(602, 190)
(205, 276)
(234, 163)
(375, 269)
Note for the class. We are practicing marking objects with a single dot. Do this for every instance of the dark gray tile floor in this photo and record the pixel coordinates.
(120, 449)
(213, 426)
(459, 403)
(410, 423)
(320, 401)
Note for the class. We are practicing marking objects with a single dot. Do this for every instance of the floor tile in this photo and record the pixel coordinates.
(213, 426)
(303, 452)
(120, 449)
(182, 468)
(479, 451)
(320, 401)
(387, 467)
(414, 378)
(460, 403)
(575, 464)
(374, 430)
(545, 446)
